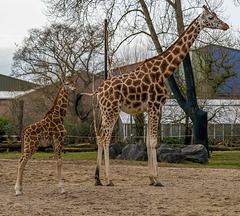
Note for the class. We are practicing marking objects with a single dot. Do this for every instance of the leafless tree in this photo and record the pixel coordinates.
(52, 53)
(216, 68)
(236, 2)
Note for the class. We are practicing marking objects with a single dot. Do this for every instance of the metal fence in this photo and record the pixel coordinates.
(217, 133)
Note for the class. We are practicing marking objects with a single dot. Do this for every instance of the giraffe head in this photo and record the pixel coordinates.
(209, 19)
(69, 84)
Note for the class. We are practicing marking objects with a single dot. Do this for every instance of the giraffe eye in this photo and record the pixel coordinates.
(210, 18)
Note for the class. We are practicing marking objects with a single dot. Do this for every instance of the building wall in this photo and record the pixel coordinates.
(5, 107)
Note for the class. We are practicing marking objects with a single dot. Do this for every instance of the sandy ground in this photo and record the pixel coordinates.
(187, 191)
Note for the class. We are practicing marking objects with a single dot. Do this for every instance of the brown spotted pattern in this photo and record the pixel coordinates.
(143, 90)
(49, 131)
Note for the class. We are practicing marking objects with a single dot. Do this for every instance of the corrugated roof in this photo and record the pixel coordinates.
(8, 83)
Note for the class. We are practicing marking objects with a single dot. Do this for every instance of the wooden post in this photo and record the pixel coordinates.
(105, 49)
(20, 117)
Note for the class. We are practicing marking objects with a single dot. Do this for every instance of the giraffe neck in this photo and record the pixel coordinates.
(167, 62)
(59, 107)
(175, 54)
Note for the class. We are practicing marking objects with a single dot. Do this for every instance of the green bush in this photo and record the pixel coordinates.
(5, 127)
(82, 129)
(172, 140)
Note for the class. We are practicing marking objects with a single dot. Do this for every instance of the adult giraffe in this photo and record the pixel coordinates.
(49, 131)
(142, 90)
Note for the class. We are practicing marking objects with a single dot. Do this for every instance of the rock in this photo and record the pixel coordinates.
(171, 157)
(112, 153)
(195, 153)
(141, 145)
(169, 154)
(132, 152)
(165, 149)
(118, 146)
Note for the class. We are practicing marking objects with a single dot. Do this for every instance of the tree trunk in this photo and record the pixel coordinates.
(200, 132)
(190, 106)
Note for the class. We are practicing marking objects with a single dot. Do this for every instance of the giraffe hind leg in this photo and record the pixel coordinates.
(106, 132)
(149, 151)
(21, 165)
(99, 161)
(58, 150)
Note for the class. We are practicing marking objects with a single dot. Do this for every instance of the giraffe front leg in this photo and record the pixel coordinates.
(18, 186)
(60, 182)
(99, 161)
(153, 120)
(155, 164)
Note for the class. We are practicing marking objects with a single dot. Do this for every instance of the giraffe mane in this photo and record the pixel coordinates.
(179, 38)
(55, 102)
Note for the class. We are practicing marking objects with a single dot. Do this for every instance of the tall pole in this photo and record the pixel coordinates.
(20, 117)
(105, 49)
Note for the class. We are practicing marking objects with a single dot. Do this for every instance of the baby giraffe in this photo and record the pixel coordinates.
(49, 131)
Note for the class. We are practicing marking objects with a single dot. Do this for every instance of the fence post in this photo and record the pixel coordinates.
(223, 133)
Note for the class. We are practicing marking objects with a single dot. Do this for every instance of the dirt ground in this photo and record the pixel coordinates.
(187, 190)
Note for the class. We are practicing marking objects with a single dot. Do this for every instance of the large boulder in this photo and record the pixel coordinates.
(170, 154)
(134, 152)
(171, 157)
(116, 149)
(112, 153)
(195, 153)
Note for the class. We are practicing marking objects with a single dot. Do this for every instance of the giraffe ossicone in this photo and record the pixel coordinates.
(142, 90)
(49, 131)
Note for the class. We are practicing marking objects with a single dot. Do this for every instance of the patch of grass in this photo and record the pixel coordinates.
(219, 159)
(45, 155)
(80, 155)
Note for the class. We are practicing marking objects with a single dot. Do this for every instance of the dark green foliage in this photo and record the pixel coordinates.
(139, 124)
(82, 130)
(172, 140)
(5, 127)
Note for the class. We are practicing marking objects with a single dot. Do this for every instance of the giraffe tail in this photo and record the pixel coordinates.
(79, 96)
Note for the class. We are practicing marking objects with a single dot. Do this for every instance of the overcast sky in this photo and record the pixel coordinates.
(17, 16)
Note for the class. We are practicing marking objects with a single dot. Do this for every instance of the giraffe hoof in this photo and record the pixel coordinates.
(63, 191)
(151, 183)
(158, 184)
(110, 184)
(98, 183)
(18, 193)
